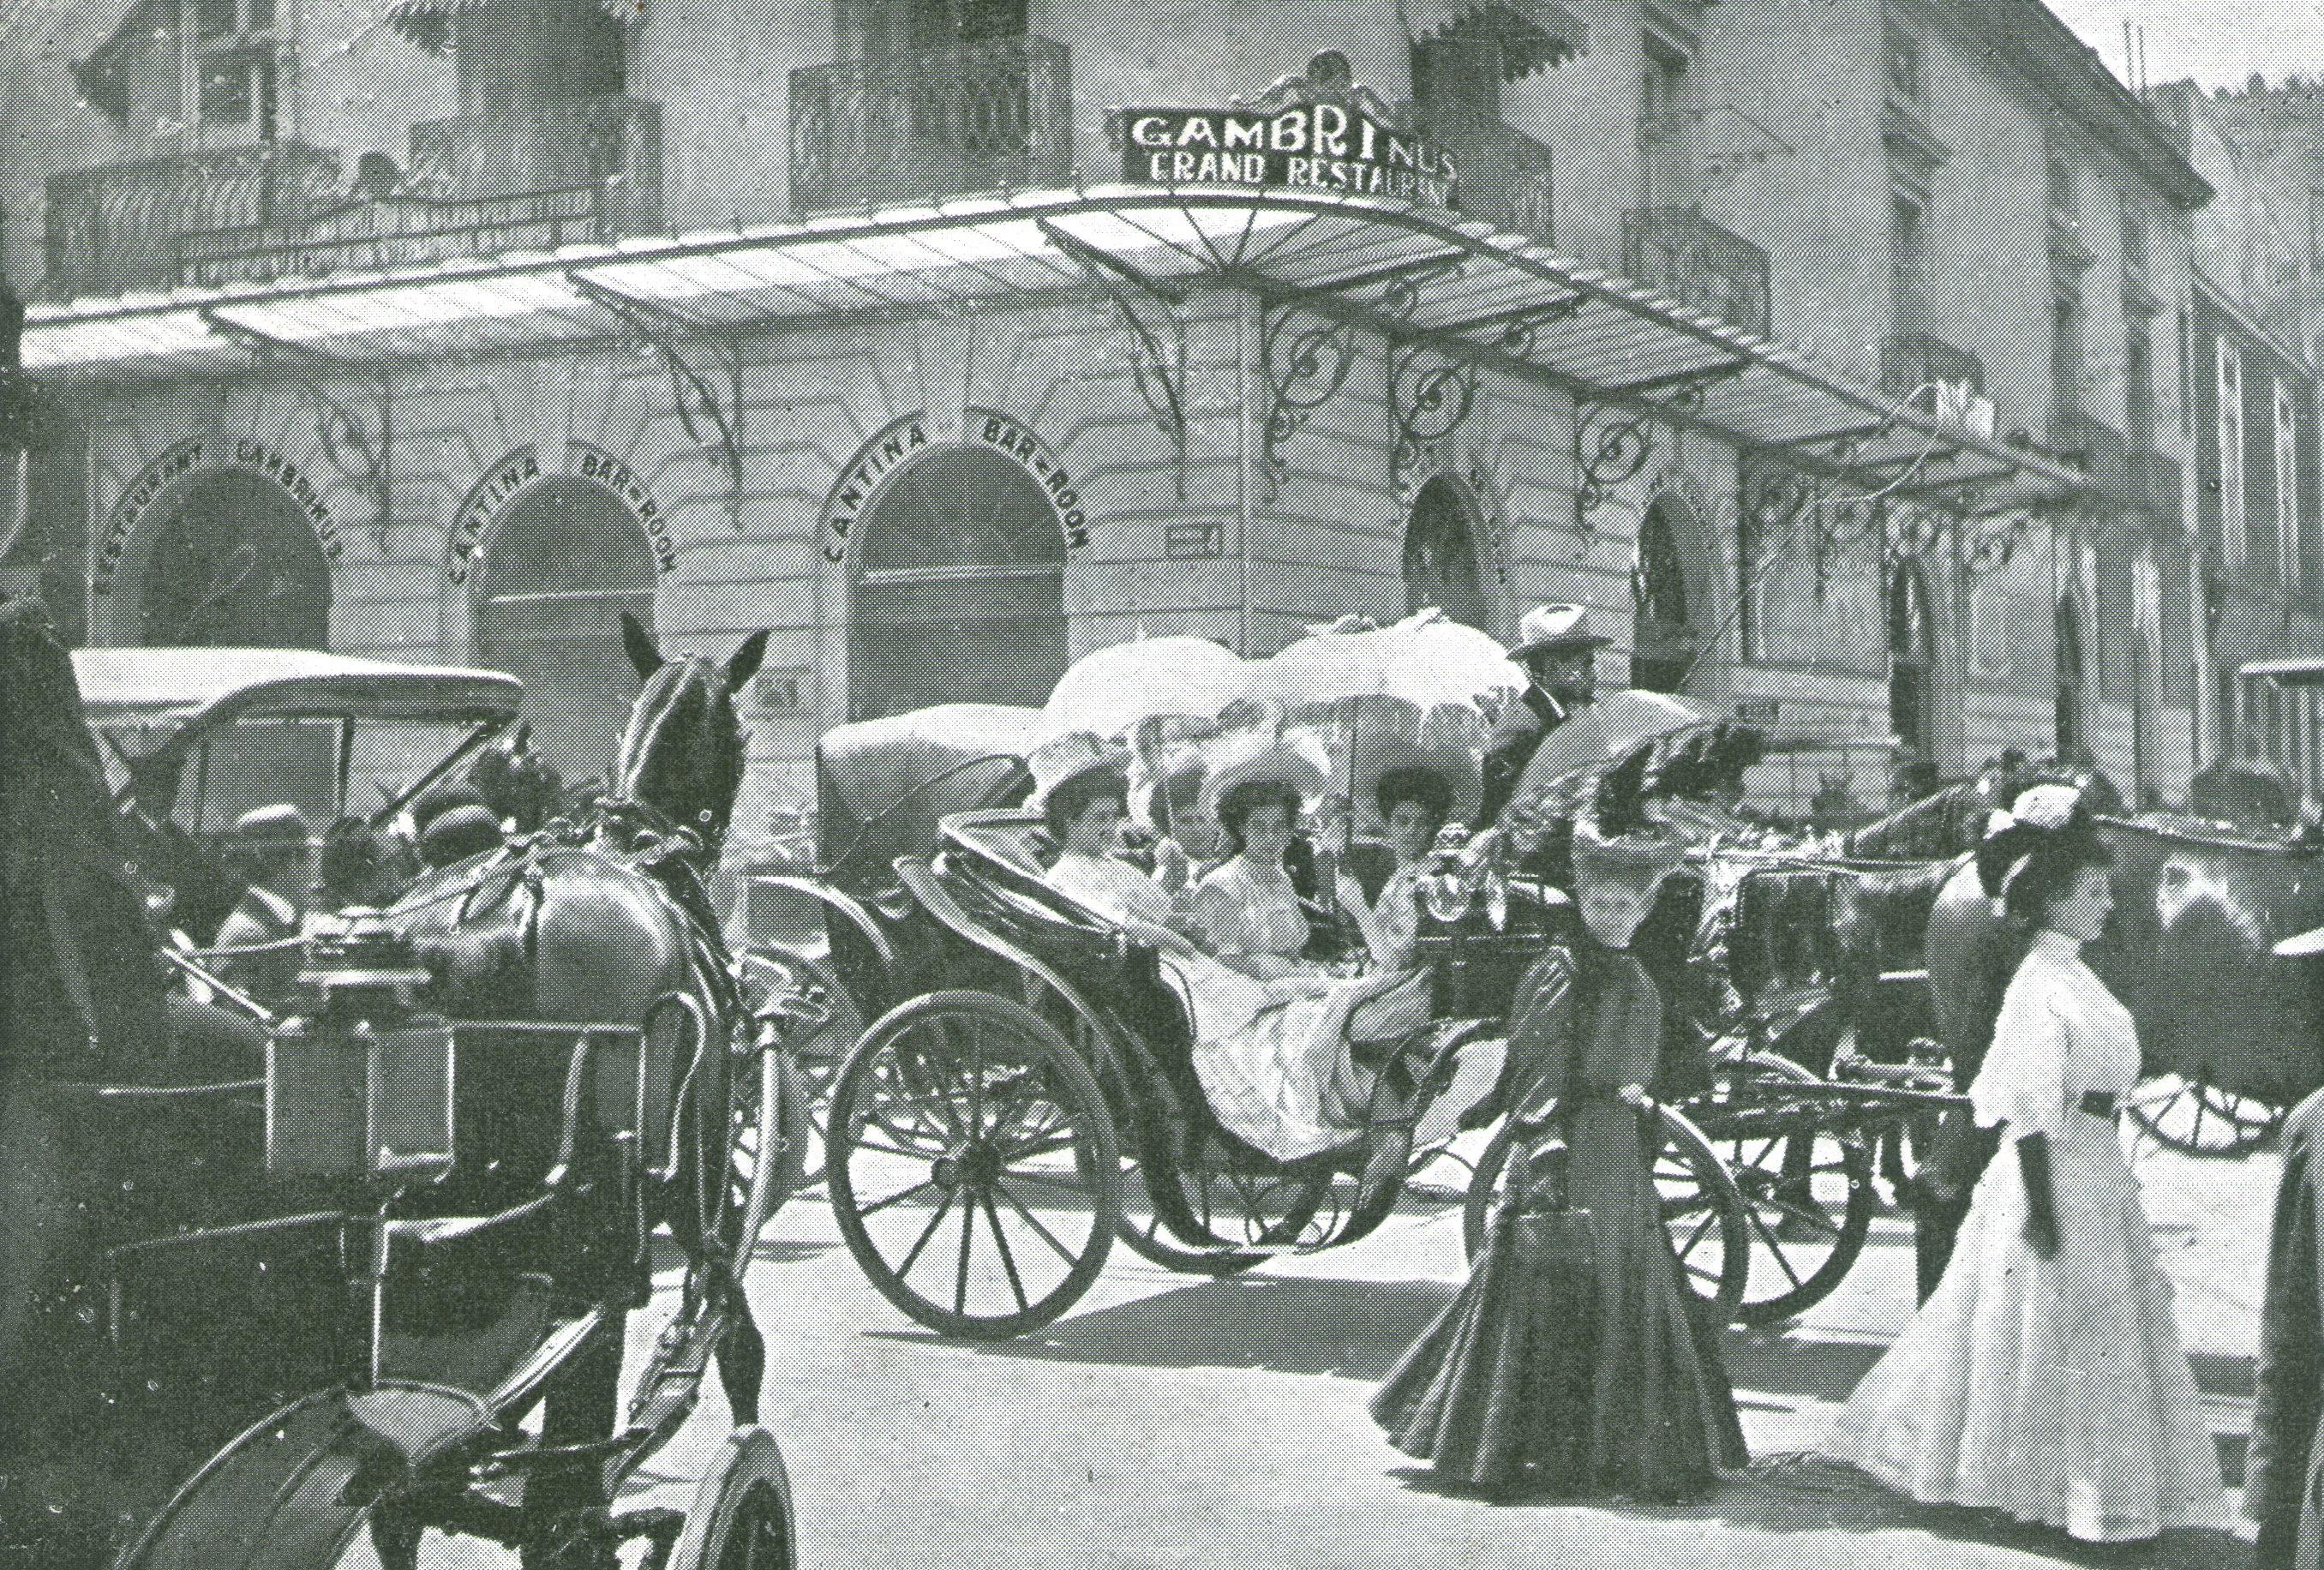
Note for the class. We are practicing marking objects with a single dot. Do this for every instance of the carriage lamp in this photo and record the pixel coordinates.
(363, 1087)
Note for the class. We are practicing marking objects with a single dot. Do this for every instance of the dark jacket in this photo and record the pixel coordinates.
(2281, 1490)
(1516, 739)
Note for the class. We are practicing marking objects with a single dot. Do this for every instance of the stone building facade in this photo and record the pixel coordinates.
(869, 323)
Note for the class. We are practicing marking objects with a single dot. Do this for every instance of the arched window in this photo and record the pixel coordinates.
(1664, 643)
(234, 564)
(2072, 677)
(1440, 554)
(1912, 661)
(562, 563)
(959, 589)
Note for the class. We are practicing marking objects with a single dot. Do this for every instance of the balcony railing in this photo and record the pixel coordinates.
(476, 186)
(1912, 361)
(1686, 255)
(1504, 175)
(931, 122)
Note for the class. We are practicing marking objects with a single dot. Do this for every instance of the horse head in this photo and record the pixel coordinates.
(683, 752)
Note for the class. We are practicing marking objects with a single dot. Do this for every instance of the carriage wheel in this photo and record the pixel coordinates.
(815, 1054)
(1703, 1212)
(1203, 1218)
(741, 1516)
(1807, 1187)
(960, 1117)
(2197, 1118)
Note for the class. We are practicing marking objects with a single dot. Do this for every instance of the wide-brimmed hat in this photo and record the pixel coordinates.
(1069, 757)
(1296, 761)
(1555, 629)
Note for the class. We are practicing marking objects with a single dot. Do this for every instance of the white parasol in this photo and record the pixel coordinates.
(1426, 660)
(1112, 691)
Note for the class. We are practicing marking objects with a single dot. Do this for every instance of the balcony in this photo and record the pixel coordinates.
(926, 124)
(1911, 362)
(1504, 176)
(1686, 255)
(476, 186)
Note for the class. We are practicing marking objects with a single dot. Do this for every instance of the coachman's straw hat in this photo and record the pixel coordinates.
(1555, 630)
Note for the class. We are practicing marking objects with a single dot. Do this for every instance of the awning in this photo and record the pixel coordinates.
(1414, 274)
(1534, 34)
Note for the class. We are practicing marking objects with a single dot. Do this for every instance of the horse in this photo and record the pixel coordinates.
(2198, 911)
(604, 919)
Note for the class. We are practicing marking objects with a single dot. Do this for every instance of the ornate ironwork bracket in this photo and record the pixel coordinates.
(344, 436)
(660, 328)
(1911, 531)
(1160, 373)
(1308, 356)
(1989, 541)
(1611, 443)
(1431, 393)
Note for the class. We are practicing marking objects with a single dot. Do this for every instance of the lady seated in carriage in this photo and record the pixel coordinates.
(1275, 1030)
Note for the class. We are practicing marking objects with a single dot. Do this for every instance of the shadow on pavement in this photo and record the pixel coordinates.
(1804, 1492)
(1290, 1324)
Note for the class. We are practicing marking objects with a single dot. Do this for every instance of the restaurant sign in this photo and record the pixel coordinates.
(1320, 144)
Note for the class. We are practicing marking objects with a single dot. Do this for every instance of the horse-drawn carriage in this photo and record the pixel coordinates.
(380, 1262)
(1023, 1093)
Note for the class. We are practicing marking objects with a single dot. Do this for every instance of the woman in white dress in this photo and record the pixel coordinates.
(2044, 1376)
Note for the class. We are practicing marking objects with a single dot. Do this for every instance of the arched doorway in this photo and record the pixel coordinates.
(1912, 661)
(562, 563)
(1440, 554)
(233, 564)
(959, 594)
(2072, 674)
(1665, 642)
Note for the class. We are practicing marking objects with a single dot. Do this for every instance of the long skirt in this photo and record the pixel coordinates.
(2054, 1389)
(1653, 1416)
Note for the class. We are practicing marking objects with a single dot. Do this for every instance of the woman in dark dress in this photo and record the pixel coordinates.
(1621, 1390)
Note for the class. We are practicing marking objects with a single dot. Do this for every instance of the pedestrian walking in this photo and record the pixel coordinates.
(1572, 1360)
(2044, 1377)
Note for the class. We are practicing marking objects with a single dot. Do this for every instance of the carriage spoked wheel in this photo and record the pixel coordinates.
(1703, 1212)
(2195, 1117)
(1806, 1188)
(974, 1167)
(816, 1053)
(741, 1517)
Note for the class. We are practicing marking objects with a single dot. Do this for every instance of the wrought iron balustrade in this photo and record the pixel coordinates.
(1502, 176)
(1911, 362)
(590, 170)
(115, 229)
(924, 123)
(1686, 255)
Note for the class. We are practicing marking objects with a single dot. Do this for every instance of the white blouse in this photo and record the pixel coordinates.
(1111, 888)
(2060, 1034)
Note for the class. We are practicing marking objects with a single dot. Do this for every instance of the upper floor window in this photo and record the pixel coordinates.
(1907, 85)
(234, 65)
(2133, 245)
(2287, 485)
(2066, 361)
(1908, 250)
(2231, 438)
(1665, 135)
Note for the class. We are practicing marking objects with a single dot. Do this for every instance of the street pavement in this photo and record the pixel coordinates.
(1169, 1420)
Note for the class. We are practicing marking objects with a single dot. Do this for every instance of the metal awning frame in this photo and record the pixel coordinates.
(1415, 276)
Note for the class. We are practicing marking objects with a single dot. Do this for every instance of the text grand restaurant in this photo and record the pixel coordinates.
(1269, 375)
